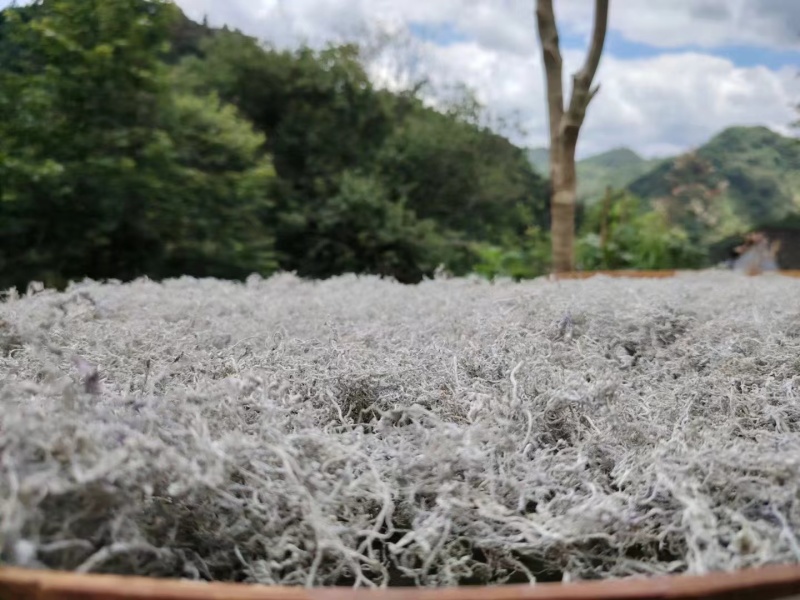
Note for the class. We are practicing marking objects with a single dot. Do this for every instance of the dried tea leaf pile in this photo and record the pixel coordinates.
(360, 432)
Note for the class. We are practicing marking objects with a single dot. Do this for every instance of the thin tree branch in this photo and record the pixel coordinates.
(551, 54)
(598, 40)
(582, 91)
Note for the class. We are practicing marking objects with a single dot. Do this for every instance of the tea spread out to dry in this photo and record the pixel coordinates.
(360, 432)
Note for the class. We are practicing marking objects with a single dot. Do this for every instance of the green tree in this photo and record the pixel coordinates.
(624, 233)
(124, 156)
(362, 229)
(215, 211)
(516, 258)
(80, 100)
(325, 122)
(99, 163)
(467, 179)
(321, 117)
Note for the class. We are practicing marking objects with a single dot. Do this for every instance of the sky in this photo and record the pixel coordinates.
(673, 73)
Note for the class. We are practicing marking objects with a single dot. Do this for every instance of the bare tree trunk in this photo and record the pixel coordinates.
(565, 124)
(562, 212)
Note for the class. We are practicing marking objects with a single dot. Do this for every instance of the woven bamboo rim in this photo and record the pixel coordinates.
(767, 583)
(653, 274)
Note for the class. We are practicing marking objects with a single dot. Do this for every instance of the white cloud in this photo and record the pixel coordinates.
(670, 102)
(505, 24)
(703, 23)
(509, 24)
(656, 105)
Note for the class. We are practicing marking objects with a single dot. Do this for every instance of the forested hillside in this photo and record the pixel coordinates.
(134, 141)
(756, 170)
(761, 169)
(696, 206)
(616, 168)
(143, 143)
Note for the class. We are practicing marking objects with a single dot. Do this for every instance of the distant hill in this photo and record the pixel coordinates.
(617, 168)
(761, 169)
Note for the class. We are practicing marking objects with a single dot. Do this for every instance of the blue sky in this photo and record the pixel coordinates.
(741, 55)
(443, 34)
(716, 63)
(617, 45)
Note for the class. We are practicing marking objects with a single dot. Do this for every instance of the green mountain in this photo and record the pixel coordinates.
(750, 174)
(614, 159)
(617, 168)
(755, 170)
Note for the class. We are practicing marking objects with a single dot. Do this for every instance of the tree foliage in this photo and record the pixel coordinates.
(622, 232)
(134, 141)
(217, 210)
(742, 178)
(432, 182)
(103, 168)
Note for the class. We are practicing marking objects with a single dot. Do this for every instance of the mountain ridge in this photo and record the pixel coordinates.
(758, 170)
(616, 167)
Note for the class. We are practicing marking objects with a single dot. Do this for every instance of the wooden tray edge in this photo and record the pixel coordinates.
(766, 583)
(656, 274)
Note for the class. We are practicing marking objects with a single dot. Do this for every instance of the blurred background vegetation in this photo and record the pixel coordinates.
(134, 142)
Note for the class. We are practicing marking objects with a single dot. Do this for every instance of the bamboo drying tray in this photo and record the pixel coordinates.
(653, 274)
(768, 583)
